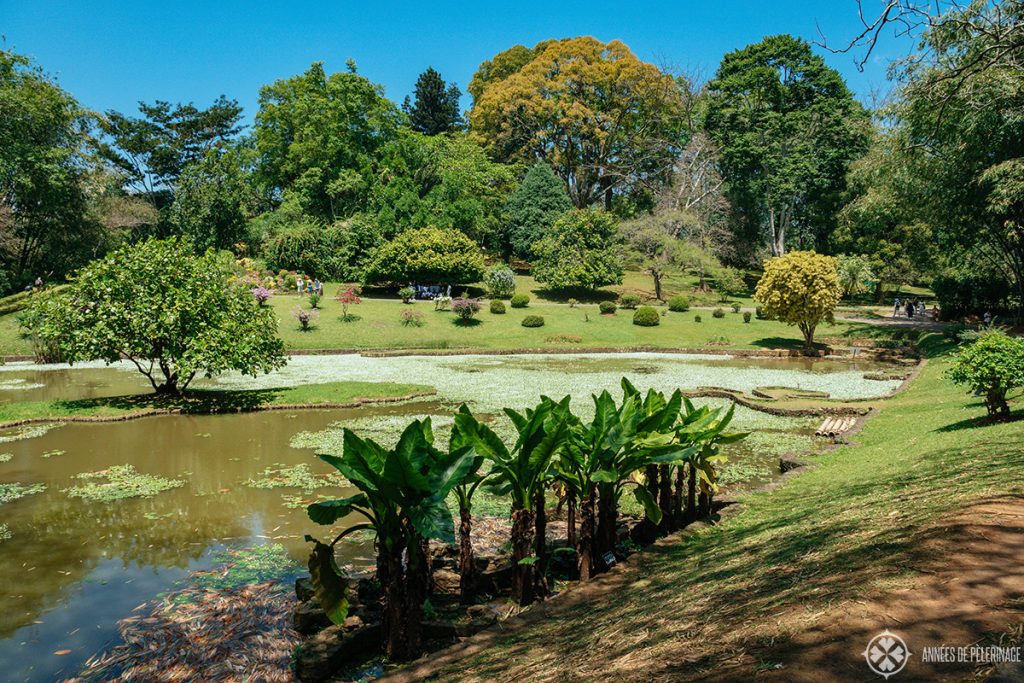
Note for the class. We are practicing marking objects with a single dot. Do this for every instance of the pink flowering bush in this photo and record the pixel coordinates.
(348, 297)
(305, 318)
(465, 308)
(262, 294)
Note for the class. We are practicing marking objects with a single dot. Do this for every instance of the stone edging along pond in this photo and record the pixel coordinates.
(152, 412)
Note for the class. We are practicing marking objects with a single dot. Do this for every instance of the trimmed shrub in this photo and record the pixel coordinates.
(465, 308)
(735, 307)
(746, 316)
(607, 307)
(427, 255)
(572, 303)
(759, 312)
(520, 301)
(500, 281)
(629, 300)
(679, 304)
(646, 316)
(497, 307)
(407, 294)
(718, 313)
(696, 318)
(533, 321)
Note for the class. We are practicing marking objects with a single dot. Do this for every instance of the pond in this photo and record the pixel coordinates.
(76, 562)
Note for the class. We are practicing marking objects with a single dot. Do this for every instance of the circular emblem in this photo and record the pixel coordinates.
(886, 654)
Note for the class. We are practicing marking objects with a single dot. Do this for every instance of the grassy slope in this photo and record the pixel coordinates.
(206, 401)
(825, 536)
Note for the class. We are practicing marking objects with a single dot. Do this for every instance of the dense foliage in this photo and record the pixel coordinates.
(427, 255)
(173, 314)
(991, 367)
(531, 209)
(579, 250)
(801, 288)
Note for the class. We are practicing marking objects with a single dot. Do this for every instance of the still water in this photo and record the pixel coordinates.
(73, 568)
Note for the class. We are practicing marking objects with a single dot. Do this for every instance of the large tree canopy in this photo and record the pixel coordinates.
(606, 122)
(173, 314)
(788, 127)
(427, 256)
(317, 136)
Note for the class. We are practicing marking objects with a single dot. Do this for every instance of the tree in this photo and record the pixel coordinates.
(172, 314)
(152, 151)
(446, 181)
(787, 127)
(317, 136)
(436, 105)
(991, 366)
(606, 122)
(521, 473)
(427, 255)
(801, 288)
(855, 273)
(294, 241)
(46, 226)
(402, 496)
(652, 248)
(579, 250)
(217, 196)
(531, 209)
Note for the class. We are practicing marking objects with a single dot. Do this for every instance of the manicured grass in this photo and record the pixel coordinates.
(826, 536)
(201, 401)
(379, 326)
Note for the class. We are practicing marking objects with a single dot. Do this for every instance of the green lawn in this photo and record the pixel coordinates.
(829, 535)
(200, 401)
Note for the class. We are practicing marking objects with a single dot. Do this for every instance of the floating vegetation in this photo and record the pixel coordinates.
(26, 432)
(5, 533)
(738, 472)
(12, 492)
(772, 443)
(19, 385)
(122, 481)
(295, 477)
(6, 457)
(55, 452)
(245, 566)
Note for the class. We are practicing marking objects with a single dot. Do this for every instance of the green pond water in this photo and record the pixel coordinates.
(72, 567)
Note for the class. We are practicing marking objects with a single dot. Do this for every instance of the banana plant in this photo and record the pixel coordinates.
(401, 495)
(464, 492)
(520, 473)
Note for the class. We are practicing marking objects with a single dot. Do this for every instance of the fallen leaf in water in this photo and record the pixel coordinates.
(62, 652)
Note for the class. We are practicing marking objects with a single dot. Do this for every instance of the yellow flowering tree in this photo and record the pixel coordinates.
(801, 288)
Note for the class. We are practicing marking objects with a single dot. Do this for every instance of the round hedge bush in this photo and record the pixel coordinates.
(497, 307)
(520, 300)
(679, 304)
(607, 307)
(746, 316)
(718, 313)
(629, 300)
(696, 318)
(646, 316)
(533, 321)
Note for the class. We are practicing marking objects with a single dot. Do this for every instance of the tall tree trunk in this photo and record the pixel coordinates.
(540, 544)
(585, 549)
(522, 573)
(656, 276)
(467, 566)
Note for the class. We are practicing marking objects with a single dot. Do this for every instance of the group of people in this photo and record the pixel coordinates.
(913, 308)
(430, 291)
(307, 286)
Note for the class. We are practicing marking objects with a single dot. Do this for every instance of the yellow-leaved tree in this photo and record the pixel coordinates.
(801, 288)
(605, 121)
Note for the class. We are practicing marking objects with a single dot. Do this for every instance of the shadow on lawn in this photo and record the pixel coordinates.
(194, 401)
(672, 617)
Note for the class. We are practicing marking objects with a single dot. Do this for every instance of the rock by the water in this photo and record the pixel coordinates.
(320, 657)
(304, 588)
(308, 618)
(446, 581)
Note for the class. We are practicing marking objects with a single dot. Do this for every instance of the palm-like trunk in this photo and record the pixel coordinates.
(585, 549)
(665, 500)
(570, 518)
(607, 521)
(691, 494)
(522, 537)
(540, 545)
(677, 498)
(467, 566)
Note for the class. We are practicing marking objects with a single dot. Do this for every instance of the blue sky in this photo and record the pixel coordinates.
(110, 55)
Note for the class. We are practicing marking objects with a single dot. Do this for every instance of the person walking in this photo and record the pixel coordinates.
(896, 308)
(300, 284)
(910, 310)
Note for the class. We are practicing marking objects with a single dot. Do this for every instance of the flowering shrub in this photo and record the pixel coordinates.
(262, 295)
(572, 303)
(500, 281)
(349, 297)
(465, 308)
(442, 303)
(305, 318)
(412, 318)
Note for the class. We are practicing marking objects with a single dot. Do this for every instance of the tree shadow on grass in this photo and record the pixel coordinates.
(587, 296)
(192, 402)
(782, 343)
(467, 322)
(981, 421)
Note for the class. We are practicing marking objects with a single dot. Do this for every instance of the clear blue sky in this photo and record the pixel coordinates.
(111, 54)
